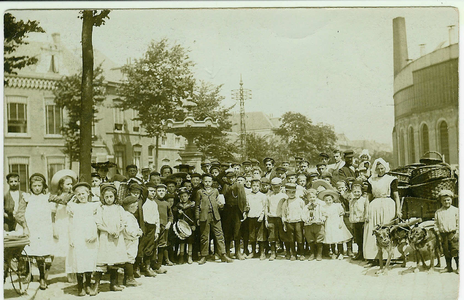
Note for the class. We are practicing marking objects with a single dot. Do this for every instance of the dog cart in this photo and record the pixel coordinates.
(420, 183)
(16, 266)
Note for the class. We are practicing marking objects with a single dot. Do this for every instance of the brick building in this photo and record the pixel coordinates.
(32, 121)
(426, 101)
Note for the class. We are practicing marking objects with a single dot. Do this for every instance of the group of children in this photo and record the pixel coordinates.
(139, 225)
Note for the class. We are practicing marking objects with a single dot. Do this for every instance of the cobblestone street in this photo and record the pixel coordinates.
(281, 279)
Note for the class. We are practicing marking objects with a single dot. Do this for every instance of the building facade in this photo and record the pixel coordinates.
(426, 101)
(32, 121)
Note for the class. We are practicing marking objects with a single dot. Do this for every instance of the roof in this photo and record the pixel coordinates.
(55, 61)
(255, 121)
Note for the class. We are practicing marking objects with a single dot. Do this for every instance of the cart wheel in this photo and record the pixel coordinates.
(20, 272)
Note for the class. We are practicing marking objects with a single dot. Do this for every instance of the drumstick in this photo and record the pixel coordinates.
(188, 218)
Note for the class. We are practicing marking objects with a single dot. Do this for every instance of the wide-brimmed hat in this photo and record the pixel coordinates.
(103, 165)
(58, 176)
(321, 182)
(330, 192)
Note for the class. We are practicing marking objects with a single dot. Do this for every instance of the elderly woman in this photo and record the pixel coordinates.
(384, 205)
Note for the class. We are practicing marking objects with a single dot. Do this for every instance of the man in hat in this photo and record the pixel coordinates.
(103, 168)
(348, 170)
(11, 201)
(235, 203)
(205, 166)
(269, 164)
(183, 168)
(324, 158)
(339, 163)
(247, 168)
(146, 174)
(236, 167)
(281, 172)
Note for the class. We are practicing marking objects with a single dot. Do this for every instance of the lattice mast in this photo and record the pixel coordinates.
(242, 95)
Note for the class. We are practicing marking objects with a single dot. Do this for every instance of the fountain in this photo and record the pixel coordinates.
(190, 129)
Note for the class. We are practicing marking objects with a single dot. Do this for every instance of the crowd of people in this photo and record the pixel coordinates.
(142, 221)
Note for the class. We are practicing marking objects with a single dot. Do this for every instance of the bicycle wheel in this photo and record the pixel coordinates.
(20, 272)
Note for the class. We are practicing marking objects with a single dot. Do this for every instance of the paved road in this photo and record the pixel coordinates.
(280, 279)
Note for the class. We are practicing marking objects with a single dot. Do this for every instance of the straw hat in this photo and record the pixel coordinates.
(57, 177)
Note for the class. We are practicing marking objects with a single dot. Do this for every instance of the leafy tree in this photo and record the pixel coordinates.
(68, 95)
(15, 33)
(155, 86)
(302, 137)
(214, 142)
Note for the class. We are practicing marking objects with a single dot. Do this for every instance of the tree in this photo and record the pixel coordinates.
(15, 33)
(68, 94)
(90, 18)
(155, 86)
(302, 137)
(214, 142)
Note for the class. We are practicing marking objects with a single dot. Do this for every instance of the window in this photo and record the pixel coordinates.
(53, 117)
(17, 114)
(444, 142)
(135, 123)
(401, 147)
(137, 155)
(164, 141)
(118, 118)
(177, 141)
(119, 155)
(425, 139)
(412, 150)
(20, 165)
(55, 164)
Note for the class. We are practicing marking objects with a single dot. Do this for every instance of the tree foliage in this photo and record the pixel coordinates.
(213, 142)
(156, 84)
(303, 138)
(15, 32)
(68, 94)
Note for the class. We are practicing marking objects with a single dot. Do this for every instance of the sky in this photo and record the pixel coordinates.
(335, 65)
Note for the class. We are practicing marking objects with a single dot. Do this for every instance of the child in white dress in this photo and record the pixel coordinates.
(112, 248)
(35, 216)
(132, 232)
(63, 195)
(83, 236)
(335, 228)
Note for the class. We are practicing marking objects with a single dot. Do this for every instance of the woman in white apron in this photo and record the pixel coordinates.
(383, 189)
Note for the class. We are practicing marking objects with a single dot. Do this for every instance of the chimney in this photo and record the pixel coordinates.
(400, 45)
(451, 34)
(56, 38)
(422, 49)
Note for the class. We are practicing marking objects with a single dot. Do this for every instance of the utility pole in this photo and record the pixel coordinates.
(242, 95)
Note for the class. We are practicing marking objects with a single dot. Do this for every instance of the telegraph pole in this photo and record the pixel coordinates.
(242, 95)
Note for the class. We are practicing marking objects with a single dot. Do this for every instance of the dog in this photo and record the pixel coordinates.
(389, 237)
(425, 241)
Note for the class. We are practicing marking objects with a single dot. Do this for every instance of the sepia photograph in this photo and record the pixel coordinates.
(231, 150)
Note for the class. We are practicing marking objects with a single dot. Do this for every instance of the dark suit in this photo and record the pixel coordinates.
(207, 212)
(9, 223)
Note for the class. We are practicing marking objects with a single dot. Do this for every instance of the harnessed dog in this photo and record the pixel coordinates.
(390, 236)
(425, 240)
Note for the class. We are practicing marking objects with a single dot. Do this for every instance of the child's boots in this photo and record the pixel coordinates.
(313, 251)
(129, 276)
(94, 291)
(114, 281)
(319, 252)
(349, 247)
(190, 259)
(80, 284)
